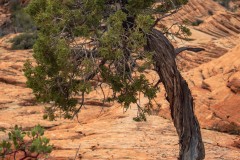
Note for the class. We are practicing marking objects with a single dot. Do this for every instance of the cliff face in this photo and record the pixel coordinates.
(216, 89)
(105, 132)
(213, 27)
(213, 75)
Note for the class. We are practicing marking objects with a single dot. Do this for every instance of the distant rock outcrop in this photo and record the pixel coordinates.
(234, 84)
(214, 74)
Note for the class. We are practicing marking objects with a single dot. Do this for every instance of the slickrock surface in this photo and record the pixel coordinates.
(220, 80)
(217, 32)
(105, 132)
(216, 20)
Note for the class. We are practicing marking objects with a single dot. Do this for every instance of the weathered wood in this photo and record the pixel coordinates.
(181, 49)
(179, 97)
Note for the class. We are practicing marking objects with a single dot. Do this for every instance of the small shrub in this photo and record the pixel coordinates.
(24, 41)
(210, 12)
(14, 5)
(19, 22)
(197, 22)
(30, 144)
(22, 22)
(185, 31)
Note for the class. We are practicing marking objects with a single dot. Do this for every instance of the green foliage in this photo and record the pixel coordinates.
(32, 143)
(24, 41)
(2, 129)
(112, 33)
(169, 5)
(19, 21)
(197, 22)
(185, 31)
(14, 5)
(141, 117)
(22, 22)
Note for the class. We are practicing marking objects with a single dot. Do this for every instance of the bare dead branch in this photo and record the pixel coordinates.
(181, 49)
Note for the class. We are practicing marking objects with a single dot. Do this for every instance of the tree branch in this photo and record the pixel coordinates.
(94, 73)
(181, 49)
(164, 16)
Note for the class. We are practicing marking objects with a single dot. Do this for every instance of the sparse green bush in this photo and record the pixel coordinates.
(197, 22)
(14, 5)
(31, 144)
(210, 12)
(22, 22)
(24, 41)
(19, 22)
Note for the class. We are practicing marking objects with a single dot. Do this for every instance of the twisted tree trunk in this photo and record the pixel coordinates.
(179, 97)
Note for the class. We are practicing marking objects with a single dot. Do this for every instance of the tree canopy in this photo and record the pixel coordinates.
(113, 36)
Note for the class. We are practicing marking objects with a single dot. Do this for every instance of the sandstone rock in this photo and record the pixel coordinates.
(234, 85)
(206, 86)
(105, 132)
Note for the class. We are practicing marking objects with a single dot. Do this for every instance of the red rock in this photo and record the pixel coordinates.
(108, 133)
(234, 85)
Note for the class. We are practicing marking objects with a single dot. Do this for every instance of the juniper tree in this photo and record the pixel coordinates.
(114, 36)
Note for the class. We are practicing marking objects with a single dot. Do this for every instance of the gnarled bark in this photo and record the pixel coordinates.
(179, 97)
